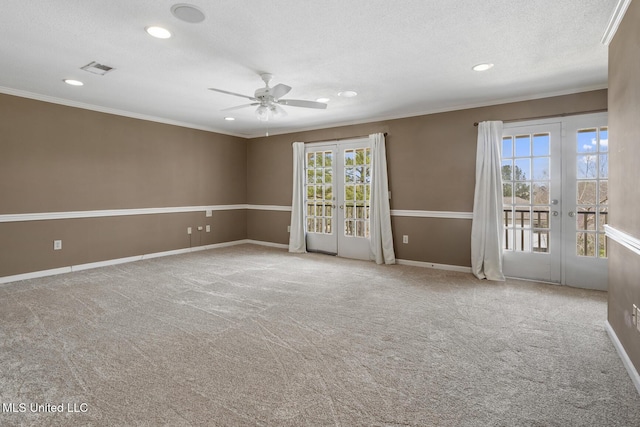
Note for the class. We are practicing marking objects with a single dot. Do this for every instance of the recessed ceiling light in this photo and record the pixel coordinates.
(323, 100)
(482, 67)
(348, 93)
(73, 82)
(230, 119)
(158, 32)
(187, 13)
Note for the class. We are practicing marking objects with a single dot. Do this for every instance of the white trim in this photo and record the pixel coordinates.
(432, 214)
(631, 370)
(375, 120)
(434, 265)
(614, 21)
(116, 261)
(35, 275)
(269, 208)
(626, 240)
(269, 244)
(274, 132)
(114, 111)
(45, 216)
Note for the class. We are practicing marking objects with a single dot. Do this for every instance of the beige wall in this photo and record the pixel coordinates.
(431, 166)
(624, 125)
(55, 158)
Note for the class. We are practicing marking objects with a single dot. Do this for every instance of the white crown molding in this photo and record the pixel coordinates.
(375, 120)
(114, 111)
(274, 132)
(626, 240)
(614, 21)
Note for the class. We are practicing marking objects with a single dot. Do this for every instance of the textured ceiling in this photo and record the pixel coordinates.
(403, 57)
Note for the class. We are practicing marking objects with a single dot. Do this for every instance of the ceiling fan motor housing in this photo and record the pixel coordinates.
(264, 94)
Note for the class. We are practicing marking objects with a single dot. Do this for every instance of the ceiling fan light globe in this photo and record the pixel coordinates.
(263, 113)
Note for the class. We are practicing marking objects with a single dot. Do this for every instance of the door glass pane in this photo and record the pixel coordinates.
(525, 192)
(541, 168)
(357, 191)
(319, 191)
(507, 147)
(587, 141)
(540, 193)
(592, 171)
(523, 146)
(541, 145)
(603, 166)
(522, 171)
(540, 241)
(586, 192)
(604, 140)
(585, 219)
(587, 166)
(586, 244)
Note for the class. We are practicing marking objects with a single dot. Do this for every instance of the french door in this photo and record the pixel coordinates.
(338, 195)
(555, 182)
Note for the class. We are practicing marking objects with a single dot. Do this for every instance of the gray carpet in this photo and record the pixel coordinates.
(249, 335)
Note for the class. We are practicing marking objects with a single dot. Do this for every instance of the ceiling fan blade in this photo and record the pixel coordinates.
(233, 93)
(301, 103)
(253, 104)
(280, 90)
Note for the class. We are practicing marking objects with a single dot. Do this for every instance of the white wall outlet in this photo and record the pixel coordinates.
(57, 245)
(188, 230)
(200, 228)
(288, 229)
(208, 228)
(405, 239)
(209, 213)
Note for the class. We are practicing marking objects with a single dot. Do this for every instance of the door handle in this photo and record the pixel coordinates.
(341, 207)
(555, 213)
(572, 214)
(554, 202)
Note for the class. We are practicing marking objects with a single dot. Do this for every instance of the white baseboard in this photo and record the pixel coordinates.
(631, 370)
(434, 265)
(106, 263)
(269, 244)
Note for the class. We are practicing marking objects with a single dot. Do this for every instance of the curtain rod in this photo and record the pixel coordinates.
(552, 116)
(340, 139)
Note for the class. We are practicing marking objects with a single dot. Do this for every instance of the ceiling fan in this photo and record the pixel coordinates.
(269, 100)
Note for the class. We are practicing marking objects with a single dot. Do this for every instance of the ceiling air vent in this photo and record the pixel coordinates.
(95, 68)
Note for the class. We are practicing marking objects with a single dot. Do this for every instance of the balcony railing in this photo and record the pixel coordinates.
(539, 223)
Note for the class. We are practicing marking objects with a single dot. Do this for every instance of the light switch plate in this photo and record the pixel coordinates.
(208, 228)
(57, 245)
